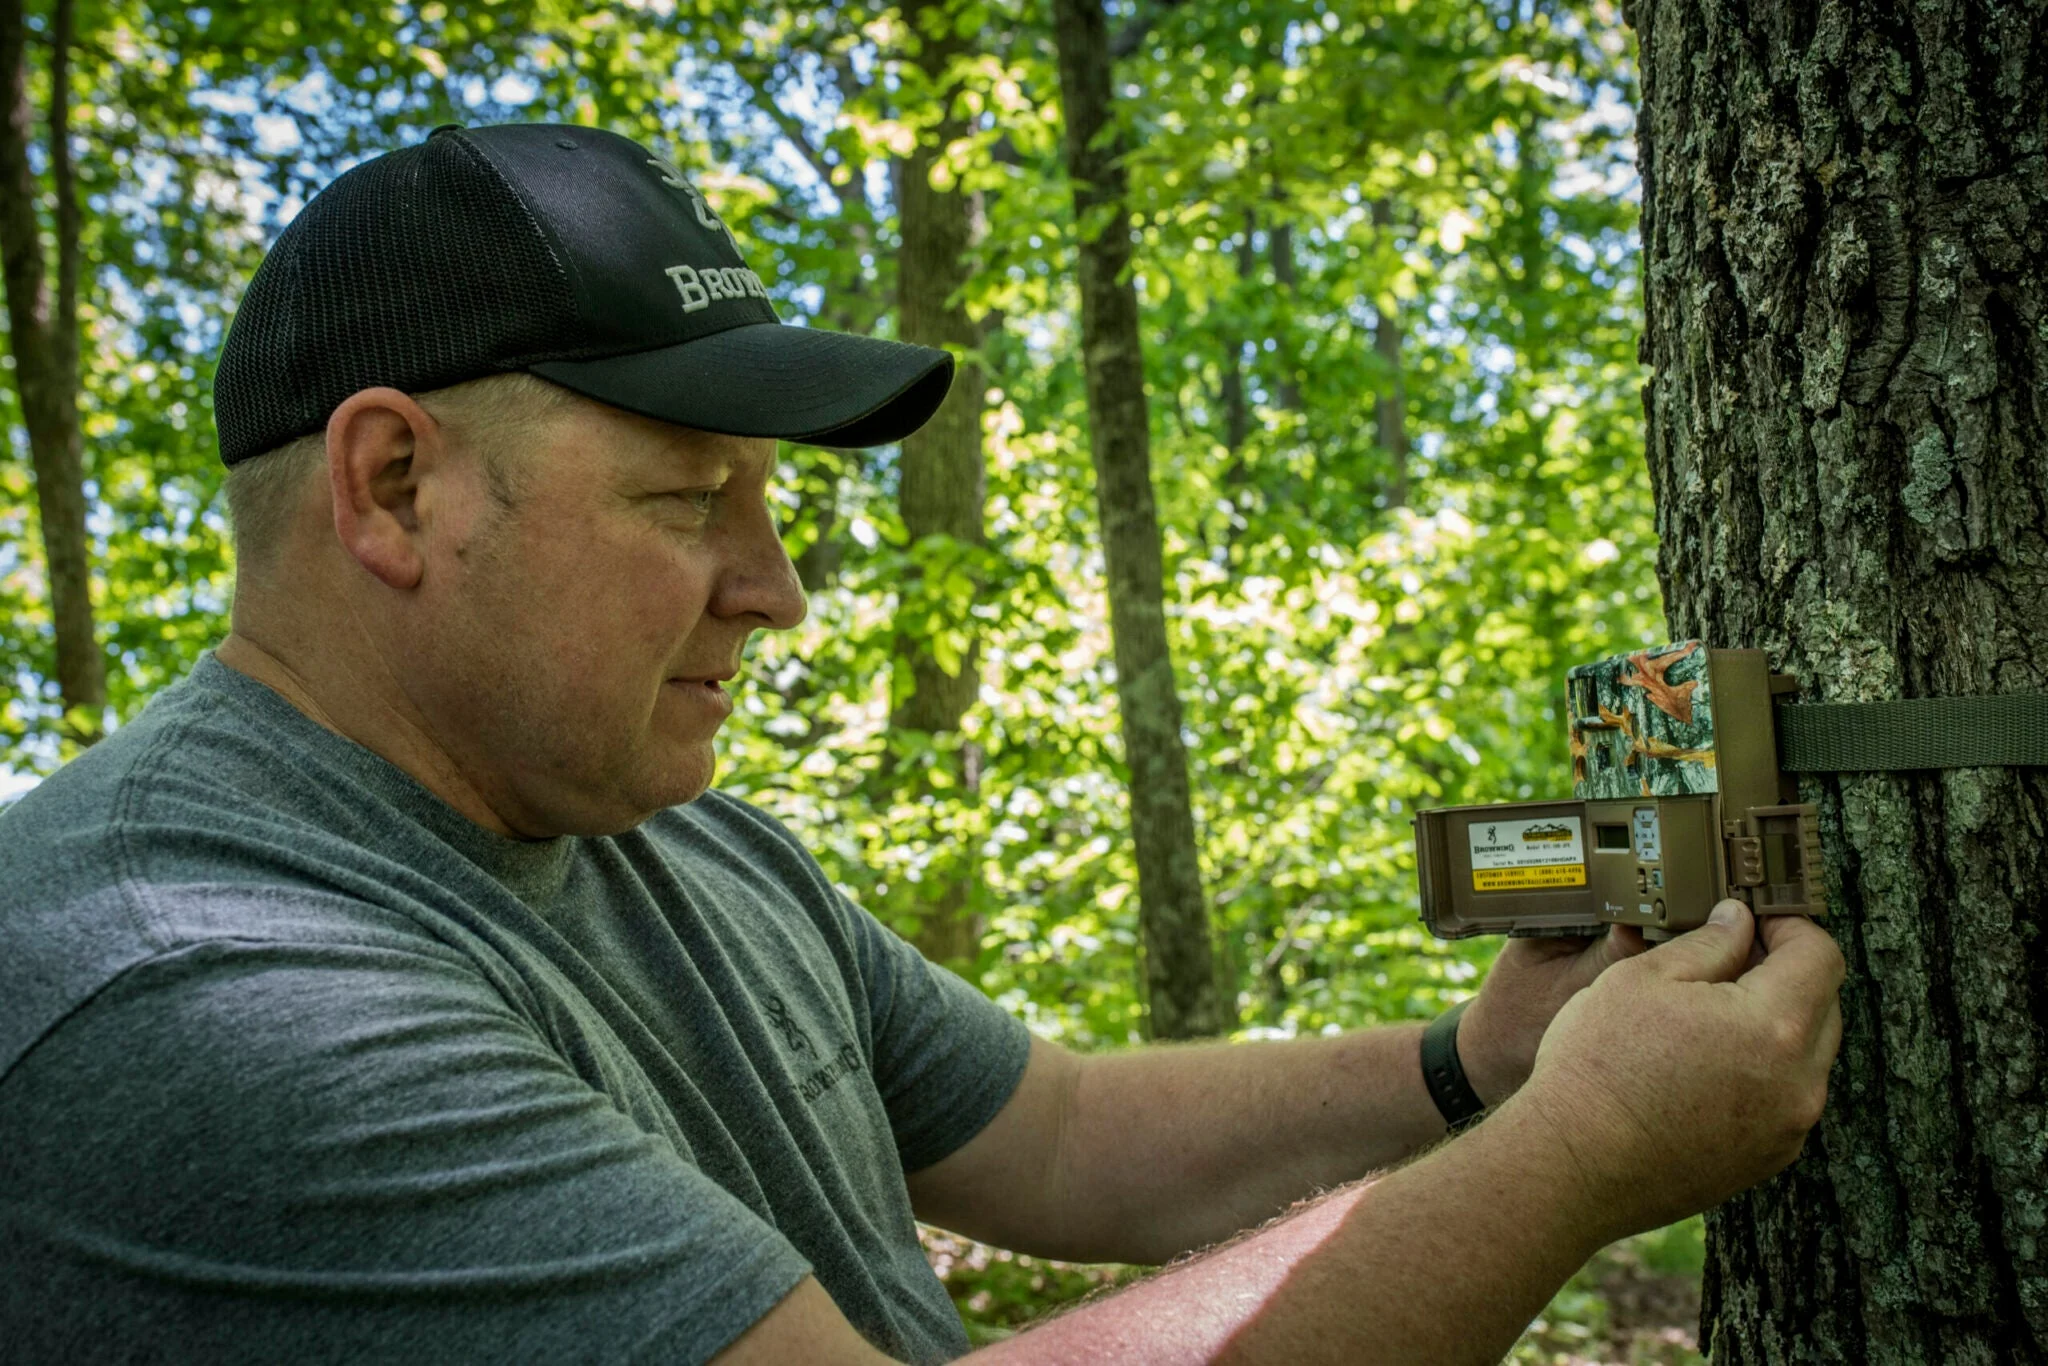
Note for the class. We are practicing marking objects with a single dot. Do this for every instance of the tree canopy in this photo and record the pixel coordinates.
(1338, 207)
(1385, 264)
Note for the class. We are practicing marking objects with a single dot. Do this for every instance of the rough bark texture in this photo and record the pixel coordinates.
(1846, 254)
(42, 320)
(1179, 955)
(944, 479)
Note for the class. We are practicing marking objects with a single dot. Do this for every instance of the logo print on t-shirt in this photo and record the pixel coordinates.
(793, 1036)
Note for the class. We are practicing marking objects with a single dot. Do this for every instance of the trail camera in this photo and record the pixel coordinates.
(1677, 801)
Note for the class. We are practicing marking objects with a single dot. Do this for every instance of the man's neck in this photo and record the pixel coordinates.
(384, 726)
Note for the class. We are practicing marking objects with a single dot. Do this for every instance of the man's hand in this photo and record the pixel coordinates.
(1530, 982)
(1681, 1078)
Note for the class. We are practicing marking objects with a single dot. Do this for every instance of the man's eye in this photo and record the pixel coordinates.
(698, 501)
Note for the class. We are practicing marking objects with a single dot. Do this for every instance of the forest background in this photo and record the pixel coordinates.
(1386, 265)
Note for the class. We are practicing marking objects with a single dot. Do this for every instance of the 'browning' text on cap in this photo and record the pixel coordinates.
(571, 252)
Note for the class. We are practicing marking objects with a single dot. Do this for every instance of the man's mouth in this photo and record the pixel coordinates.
(708, 686)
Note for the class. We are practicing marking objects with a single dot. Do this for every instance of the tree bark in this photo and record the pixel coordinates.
(1280, 241)
(1237, 408)
(43, 330)
(1845, 229)
(818, 566)
(1390, 406)
(1180, 964)
(944, 478)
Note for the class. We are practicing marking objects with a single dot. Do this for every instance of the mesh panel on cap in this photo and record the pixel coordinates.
(419, 269)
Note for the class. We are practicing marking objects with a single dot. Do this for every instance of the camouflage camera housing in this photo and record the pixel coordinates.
(1677, 802)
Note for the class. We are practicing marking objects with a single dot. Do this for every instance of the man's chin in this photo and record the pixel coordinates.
(689, 778)
(633, 799)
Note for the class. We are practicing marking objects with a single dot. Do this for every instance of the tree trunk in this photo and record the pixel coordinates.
(944, 480)
(1390, 407)
(1280, 241)
(1237, 409)
(1845, 228)
(1180, 971)
(818, 566)
(42, 325)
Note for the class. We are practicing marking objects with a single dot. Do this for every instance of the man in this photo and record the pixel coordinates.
(396, 988)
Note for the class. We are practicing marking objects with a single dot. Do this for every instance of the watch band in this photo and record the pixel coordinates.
(1459, 1104)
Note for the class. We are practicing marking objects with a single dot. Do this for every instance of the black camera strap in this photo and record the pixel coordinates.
(2008, 730)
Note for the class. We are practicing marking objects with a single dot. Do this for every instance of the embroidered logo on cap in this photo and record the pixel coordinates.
(675, 179)
(699, 285)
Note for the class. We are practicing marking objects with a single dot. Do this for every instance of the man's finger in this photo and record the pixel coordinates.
(1715, 952)
(1831, 1030)
(1622, 941)
(1800, 961)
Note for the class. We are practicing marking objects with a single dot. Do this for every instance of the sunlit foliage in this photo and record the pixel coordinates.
(1352, 640)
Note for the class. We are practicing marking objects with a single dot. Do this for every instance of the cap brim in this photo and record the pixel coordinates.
(772, 379)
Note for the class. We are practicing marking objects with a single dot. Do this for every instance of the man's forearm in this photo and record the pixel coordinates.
(1444, 1261)
(1170, 1149)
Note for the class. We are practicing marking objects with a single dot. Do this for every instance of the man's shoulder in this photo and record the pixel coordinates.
(187, 824)
(190, 764)
(66, 832)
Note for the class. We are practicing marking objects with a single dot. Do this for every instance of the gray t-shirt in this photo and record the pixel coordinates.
(297, 1064)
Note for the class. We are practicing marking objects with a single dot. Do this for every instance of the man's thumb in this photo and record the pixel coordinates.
(1715, 952)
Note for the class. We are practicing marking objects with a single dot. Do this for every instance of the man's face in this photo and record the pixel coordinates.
(574, 647)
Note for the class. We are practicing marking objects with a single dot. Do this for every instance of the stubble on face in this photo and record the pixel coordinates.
(563, 619)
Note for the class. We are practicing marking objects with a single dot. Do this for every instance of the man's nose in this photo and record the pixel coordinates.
(761, 581)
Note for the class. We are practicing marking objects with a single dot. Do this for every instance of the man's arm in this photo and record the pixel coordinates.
(1444, 1261)
(1669, 1086)
(1144, 1156)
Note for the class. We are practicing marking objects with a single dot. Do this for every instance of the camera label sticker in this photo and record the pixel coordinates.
(1511, 855)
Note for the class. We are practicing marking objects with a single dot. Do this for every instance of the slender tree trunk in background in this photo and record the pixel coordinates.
(1237, 409)
(944, 480)
(1390, 407)
(1280, 242)
(818, 565)
(43, 328)
(1180, 962)
(1845, 227)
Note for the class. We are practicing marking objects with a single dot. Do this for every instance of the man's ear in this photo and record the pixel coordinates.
(380, 444)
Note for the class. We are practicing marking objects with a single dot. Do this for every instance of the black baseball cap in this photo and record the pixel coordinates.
(571, 252)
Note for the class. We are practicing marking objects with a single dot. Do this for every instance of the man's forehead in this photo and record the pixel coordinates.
(649, 446)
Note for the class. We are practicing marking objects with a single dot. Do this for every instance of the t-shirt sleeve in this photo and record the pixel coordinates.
(946, 1058)
(318, 1152)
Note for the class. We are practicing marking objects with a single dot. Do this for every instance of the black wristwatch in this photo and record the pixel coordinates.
(1445, 1075)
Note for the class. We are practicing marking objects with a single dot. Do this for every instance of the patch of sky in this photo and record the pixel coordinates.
(808, 298)
(237, 102)
(514, 89)
(276, 134)
(312, 94)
